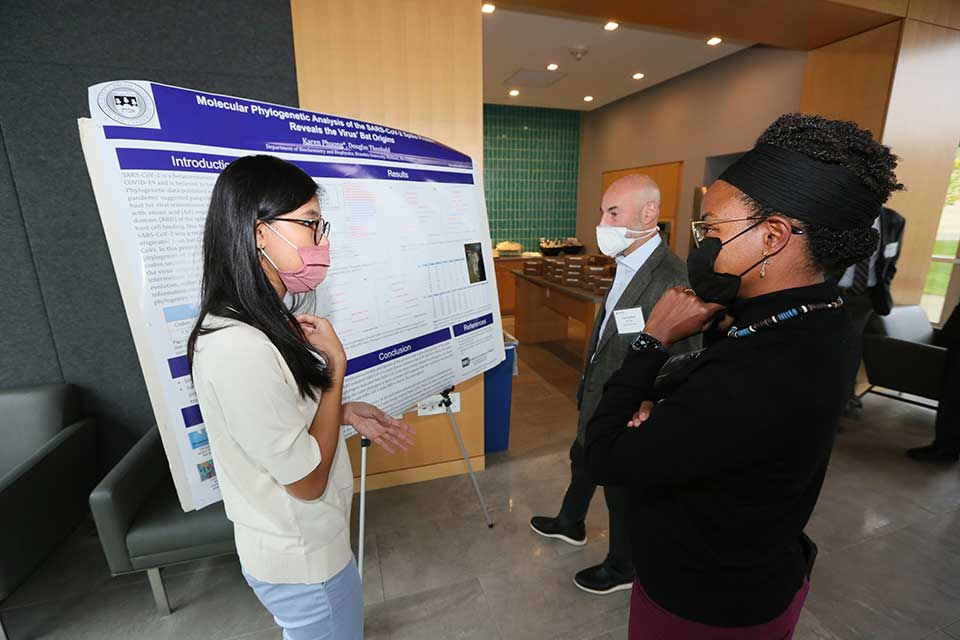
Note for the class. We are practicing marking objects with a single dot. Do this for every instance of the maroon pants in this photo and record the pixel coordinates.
(648, 621)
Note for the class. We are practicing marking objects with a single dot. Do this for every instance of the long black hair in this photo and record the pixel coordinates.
(252, 189)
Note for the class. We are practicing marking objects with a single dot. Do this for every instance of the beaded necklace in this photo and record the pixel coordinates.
(783, 315)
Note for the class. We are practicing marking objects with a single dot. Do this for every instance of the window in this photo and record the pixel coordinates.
(939, 297)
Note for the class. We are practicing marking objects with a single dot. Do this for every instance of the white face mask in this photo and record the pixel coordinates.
(613, 240)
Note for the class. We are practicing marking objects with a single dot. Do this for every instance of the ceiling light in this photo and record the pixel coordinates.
(611, 26)
(588, 98)
(714, 41)
(514, 93)
(488, 8)
(552, 66)
(638, 76)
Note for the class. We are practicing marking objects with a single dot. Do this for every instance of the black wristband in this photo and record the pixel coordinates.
(646, 342)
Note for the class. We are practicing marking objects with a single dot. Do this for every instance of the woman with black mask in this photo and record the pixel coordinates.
(727, 454)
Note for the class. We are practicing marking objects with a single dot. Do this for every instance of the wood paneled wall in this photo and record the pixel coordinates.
(900, 81)
(415, 65)
(793, 24)
(436, 453)
(893, 7)
(923, 128)
(851, 79)
(945, 13)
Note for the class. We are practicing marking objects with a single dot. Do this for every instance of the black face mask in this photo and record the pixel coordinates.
(709, 285)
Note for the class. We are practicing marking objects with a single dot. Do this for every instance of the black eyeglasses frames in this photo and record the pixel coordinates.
(321, 227)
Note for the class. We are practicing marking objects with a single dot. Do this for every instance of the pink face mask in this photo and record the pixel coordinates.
(316, 261)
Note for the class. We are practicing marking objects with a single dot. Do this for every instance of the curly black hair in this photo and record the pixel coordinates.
(843, 143)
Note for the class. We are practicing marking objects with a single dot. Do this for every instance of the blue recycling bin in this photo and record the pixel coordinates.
(497, 398)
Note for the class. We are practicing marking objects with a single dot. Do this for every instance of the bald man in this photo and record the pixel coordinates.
(646, 268)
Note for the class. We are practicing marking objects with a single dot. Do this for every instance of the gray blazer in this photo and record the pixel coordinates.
(662, 270)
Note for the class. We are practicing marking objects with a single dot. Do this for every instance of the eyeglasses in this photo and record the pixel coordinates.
(701, 228)
(321, 227)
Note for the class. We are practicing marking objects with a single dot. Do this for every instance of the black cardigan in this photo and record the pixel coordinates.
(725, 473)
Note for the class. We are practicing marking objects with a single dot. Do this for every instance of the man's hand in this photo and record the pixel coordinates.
(376, 426)
(646, 408)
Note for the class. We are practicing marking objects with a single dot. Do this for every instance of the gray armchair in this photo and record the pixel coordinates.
(47, 468)
(141, 524)
(901, 352)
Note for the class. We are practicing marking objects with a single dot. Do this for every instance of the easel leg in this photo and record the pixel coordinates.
(364, 445)
(466, 457)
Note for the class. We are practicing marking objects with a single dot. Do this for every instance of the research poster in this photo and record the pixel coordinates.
(410, 290)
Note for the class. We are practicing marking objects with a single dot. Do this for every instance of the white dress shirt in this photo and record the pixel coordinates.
(627, 266)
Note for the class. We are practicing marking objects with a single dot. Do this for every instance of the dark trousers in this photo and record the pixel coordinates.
(948, 413)
(576, 502)
(860, 309)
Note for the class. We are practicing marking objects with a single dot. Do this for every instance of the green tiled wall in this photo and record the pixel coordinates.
(530, 159)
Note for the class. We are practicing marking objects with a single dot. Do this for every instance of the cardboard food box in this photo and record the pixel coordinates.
(533, 267)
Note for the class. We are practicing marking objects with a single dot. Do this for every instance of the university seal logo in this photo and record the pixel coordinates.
(126, 103)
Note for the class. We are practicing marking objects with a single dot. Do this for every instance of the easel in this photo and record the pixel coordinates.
(365, 444)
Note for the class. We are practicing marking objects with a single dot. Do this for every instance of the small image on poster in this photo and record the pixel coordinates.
(206, 470)
(475, 269)
(198, 439)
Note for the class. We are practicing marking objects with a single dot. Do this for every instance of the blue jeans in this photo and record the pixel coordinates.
(331, 610)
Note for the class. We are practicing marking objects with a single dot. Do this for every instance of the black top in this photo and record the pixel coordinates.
(888, 253)
(726, 471)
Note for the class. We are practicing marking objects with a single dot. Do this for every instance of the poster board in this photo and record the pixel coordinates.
(410, 290)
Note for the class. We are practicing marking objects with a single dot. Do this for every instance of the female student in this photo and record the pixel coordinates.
(270, 387)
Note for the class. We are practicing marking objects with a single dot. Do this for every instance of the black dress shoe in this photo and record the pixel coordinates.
(852, 408)
(575, 534)
(602, 580)
(933, 453)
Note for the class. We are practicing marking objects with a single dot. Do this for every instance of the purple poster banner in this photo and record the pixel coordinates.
(158, 159)
(368, 360)
(473, 325)
(195, 117)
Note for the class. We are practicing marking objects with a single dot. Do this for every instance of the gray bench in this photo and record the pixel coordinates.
(141, 524)
(47, 468)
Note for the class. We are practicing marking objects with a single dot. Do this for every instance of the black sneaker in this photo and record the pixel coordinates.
(933, 453)
(602, 580)
(852, 408)
(575, 534)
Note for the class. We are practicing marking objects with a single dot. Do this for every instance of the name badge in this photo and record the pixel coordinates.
(629, 320)
(890, 250)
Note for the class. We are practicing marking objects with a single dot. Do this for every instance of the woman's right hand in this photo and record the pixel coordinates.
(680, 314)
(323, 338)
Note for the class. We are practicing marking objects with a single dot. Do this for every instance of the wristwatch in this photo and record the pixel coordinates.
(646, 342)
